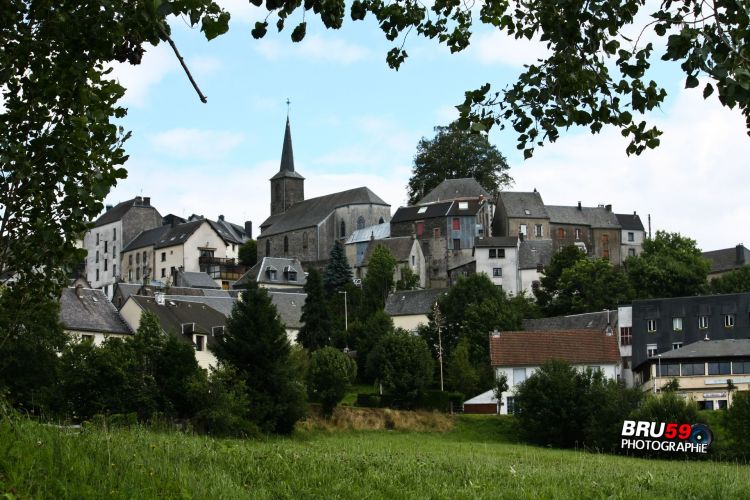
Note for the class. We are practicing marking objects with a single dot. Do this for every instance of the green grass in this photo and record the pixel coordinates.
(472, 461)
(351, 395)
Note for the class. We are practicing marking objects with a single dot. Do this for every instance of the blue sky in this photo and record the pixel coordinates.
(356, 122)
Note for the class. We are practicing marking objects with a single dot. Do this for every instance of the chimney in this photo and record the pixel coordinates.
(108, 208)
(249, 229)
(138, 201)
(495, 333)
(79, 290)
(634, 214)
(579, 205)
(146, 201)
(608, 207)
(740, 254)
(221, 218)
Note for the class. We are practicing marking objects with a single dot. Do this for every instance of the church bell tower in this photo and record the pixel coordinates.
(287, 186)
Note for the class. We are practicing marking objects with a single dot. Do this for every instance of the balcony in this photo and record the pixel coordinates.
(221, 268)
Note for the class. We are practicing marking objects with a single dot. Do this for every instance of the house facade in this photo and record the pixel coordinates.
(521, 214)
(497, 257)
(110, 233)
(407, 252)
(275, 273)
(632, 235)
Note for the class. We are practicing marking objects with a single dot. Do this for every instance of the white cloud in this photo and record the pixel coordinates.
(496, 47)
(446, 114)
(138, 80)
(196, 144)
(313, 48)
(204, 65)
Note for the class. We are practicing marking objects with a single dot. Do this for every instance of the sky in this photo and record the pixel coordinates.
(356, 122)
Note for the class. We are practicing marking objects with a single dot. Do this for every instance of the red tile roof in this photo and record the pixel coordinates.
(532, 348)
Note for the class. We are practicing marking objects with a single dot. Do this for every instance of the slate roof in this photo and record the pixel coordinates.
(174, 313)
(454, 189)
(600, 217)
(378, 231)
(127, 289)
(411, 302)
(517, 203)
(178, 234)
(230, 233)
(286, 169)
(496, 241)
(258, 272)
(194, 280)
(630, 222)
(586, 321)
(118, 211)
(311, 212)
(289, 306)
(91, 312)
(533, 348)
(472, 207)
(404, 214)
(400, 248)
(222, 304)
(726, 258)
(567, 215)
(710, 349)
(531, 253)
(146, 238)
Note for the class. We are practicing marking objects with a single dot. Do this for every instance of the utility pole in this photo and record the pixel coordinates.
(438, 320)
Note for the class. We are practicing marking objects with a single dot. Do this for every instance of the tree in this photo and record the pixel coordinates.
(316, 329)
(338, 272)
(256, 345)
(738, 422)
(590, 285)
(402, 363)
(378, 282)
(549, 284)
(500, 387)
(409, 279)
(456, 153)
(670, 266)
(248, 253)
(460, 375)
(367, 335)
(331, 374)
(737, 281)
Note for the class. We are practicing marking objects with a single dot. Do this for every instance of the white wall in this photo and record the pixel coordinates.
(98, 336)
(528, 277)
(510, 279)
(106, 278)
(625, 319)
(411, 322)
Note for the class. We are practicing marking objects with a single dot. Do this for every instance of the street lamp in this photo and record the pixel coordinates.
(346, 313)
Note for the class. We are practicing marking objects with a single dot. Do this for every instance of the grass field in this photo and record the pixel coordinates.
(470, 461)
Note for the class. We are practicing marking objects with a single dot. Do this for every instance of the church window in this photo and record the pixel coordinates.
(268, 247)
(360, 222)
(381, 221)
(342, 231)
(304, 241)
(286, 244)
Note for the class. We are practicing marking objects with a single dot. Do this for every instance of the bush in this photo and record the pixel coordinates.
(738, 424)
(223, 404)
(331, 374)
(443, 401)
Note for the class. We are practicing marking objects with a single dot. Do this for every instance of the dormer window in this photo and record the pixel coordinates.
(463, 205)
(420, 211)
(200, 342)
(271, 273)
(188, 328)
(292, 275)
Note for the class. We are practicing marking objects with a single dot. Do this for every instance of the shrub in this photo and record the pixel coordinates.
(738, 424)
(331, 374)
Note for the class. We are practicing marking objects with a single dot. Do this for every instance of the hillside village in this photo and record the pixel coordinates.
(189, 274)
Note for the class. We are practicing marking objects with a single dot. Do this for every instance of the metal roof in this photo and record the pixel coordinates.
(378, 232)
(711, 349)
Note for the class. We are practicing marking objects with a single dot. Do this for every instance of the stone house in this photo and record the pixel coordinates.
(87, 314)
(407, 252)
(521, 214)
(727, 260)
(632, 235)
(409, 308)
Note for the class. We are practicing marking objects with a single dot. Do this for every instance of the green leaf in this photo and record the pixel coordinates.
(691, 82)
(708, 90)
(299, 32)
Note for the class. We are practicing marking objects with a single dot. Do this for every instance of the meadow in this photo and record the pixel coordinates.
(470, 458)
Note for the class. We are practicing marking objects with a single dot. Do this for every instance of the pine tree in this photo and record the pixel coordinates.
(316, 329)
(379, 280)
(256, 345)
(338, 272)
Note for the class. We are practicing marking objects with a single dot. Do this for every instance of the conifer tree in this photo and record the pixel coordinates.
(256, 345)
(379, 280)
(338, 272)
(316, 329)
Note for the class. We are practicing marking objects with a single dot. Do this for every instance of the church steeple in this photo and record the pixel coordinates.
(287, 186)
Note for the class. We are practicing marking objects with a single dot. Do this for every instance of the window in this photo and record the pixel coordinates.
(511, 405)
(497, 253)
(668, 370)
(97, 238)
(650, 350)
(578, 234)
(268, 248)
(286, 244)
(360, 222)
(130, 275)
(705, 405)
(456, 244)
(291, 275)
(304, 241)
(463, 205)
(651, 325)
(114, 251)
(138, 273)
(703, 322)
(137, 258)
(689, 369)
(97, 275)
(631, 252)
(677, 324)
(538, 231)
(114, 269)
(87, 338)
(626, 335)
(493, 253)
(456, 224)
(200, 342)
(272, 274)
(676, 345)
(523, 229)
(144, 256)
(163, 256)
(163, 272)
(187, 328)
(497, 272)
(421, 210)
(130, 259)
(381, 221)
(413, 260)
(105, 264)
(420, 228)
(561, 233)
(519, 375)
(105, 247)
(97, 257)
(719, 368)
(217, 330)
(114, 234)
(631, 236)
(729, 321)
(436, 232)
(741, 367)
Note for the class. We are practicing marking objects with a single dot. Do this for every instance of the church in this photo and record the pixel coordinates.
(307, 229)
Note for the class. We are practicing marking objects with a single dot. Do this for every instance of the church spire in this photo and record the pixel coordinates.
(287, 155)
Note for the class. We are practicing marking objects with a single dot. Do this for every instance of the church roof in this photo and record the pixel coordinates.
(309, 213)
(286, 169)
(455, 189)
